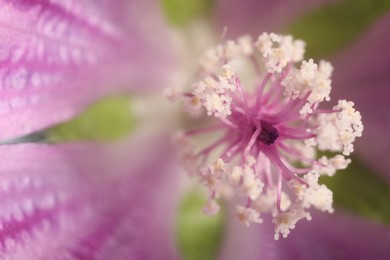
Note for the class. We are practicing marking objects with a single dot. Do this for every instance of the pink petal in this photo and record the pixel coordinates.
(57, 56)
(255, 242)
(257, 16)
(362, 75)
(337, 236)
(85, 202)
(326, 236)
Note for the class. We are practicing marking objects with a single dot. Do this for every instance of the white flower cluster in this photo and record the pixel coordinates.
(278, 50)
(213, 177)
(216, 57)
(247, 180)
(330, 166)
(215, 92)
(286, 221)
(244, 178)
(215, 95)
(337, 131)
(218, 176)
(311, 194)
(248, 215)
(309, 78)
(314, 194)
(271, 134)
(266, 202)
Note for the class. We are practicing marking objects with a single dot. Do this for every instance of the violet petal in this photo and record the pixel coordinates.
(335, 236)
(86, 202)
(362, 74)
(57, 56)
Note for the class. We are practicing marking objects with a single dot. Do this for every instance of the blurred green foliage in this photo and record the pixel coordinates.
(199, 236)
(361, 191)
(330, 28)
(106, 120)
(180, 12)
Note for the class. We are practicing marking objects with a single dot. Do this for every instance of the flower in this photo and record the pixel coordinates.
(359, 75)
(268, 131)
(104, 201)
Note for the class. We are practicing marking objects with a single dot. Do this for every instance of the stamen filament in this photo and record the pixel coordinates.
(268, 132)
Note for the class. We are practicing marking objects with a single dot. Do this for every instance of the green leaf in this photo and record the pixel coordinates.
(361, 191)
(199, 236)
(331, 28)
(181, 12)
(106, 120)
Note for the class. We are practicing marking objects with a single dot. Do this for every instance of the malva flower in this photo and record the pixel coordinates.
(269, 134)
(88, 201)
(361, 75)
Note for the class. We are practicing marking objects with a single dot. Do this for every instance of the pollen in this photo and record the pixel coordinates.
(264, 138)
(248, 215)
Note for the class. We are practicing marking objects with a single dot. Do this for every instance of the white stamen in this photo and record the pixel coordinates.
(309, 77)
(271, 134)
(286, 221)
(278, 51)
(248, 215)
(338, 162)
(266, 202)
(314, 194)
(337, 131)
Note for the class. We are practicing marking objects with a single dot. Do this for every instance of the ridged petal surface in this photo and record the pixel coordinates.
(57, 56)
(86, 202)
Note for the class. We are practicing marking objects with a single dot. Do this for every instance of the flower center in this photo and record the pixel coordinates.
(283, 107)
(268, 134)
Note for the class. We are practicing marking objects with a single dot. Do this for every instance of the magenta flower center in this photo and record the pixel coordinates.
(269, 136)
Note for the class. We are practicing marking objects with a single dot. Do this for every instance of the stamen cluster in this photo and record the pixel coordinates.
(269, 137)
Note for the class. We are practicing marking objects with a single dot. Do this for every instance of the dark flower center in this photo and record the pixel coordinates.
(268, 134)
